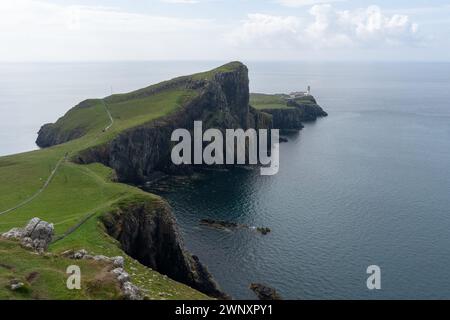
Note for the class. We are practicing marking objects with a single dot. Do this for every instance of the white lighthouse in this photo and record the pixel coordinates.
(299, 94)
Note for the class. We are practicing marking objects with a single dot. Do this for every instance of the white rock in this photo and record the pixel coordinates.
(31, 225)
(124, 277)
(118, 271)
(14, 233)
(102, 258)
(42, 234)
(131, 292)
(80, 254)
(37, 234)
(15, 285)
(118, 261)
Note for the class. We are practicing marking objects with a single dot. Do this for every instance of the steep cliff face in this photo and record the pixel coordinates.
(64, 130)
(140, 153)
(286, 119)
(147, 231)
(296, 112)
(309, 108)
(46, 136)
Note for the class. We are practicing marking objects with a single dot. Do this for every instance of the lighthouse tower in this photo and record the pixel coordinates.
(308, 92)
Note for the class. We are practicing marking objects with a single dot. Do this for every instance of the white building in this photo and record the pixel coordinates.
(299, 94)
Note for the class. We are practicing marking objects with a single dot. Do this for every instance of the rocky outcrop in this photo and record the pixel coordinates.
(147, 231)
(286, 119)
(299, 110)
(227, 225)
(264, 292)
(117, 262)
(49, 135)
(36, 235)
(129, 290)
(55, 133)
(309, 108)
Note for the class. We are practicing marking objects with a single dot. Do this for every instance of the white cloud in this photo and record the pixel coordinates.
(302, 3)
(327, 27)
(43, 30)
(266, 30)
(372, 26)
(40, 30)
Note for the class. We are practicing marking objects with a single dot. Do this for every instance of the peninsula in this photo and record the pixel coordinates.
(82, 181)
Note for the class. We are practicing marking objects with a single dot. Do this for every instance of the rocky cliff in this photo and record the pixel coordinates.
(286, 119)
(296, 112)
(147, 231)
(140, 153)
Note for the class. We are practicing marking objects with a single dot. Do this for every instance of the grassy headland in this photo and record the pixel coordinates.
(263, 101)
(86, 204)
(80, 191)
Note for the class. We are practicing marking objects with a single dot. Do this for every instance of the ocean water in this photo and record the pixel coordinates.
(370, 184)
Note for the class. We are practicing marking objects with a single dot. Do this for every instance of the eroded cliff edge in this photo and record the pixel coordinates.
(147, 232)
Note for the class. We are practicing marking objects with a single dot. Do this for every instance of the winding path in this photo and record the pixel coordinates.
(47, 182)
(109, 115)
(52, 174)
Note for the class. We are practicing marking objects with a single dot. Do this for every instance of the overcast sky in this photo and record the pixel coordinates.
(104, 30)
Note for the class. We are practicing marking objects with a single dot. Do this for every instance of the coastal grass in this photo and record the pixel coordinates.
(44, 276)
(208, 75)
(92, 119)
(76, 193)
(91, 235)
(263, 101)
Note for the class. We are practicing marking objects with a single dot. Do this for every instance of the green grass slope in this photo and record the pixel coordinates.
(263, 101)
(45, 276)
(79, 193)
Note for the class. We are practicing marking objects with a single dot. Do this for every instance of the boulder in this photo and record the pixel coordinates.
(36, 235)
(31, 225)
